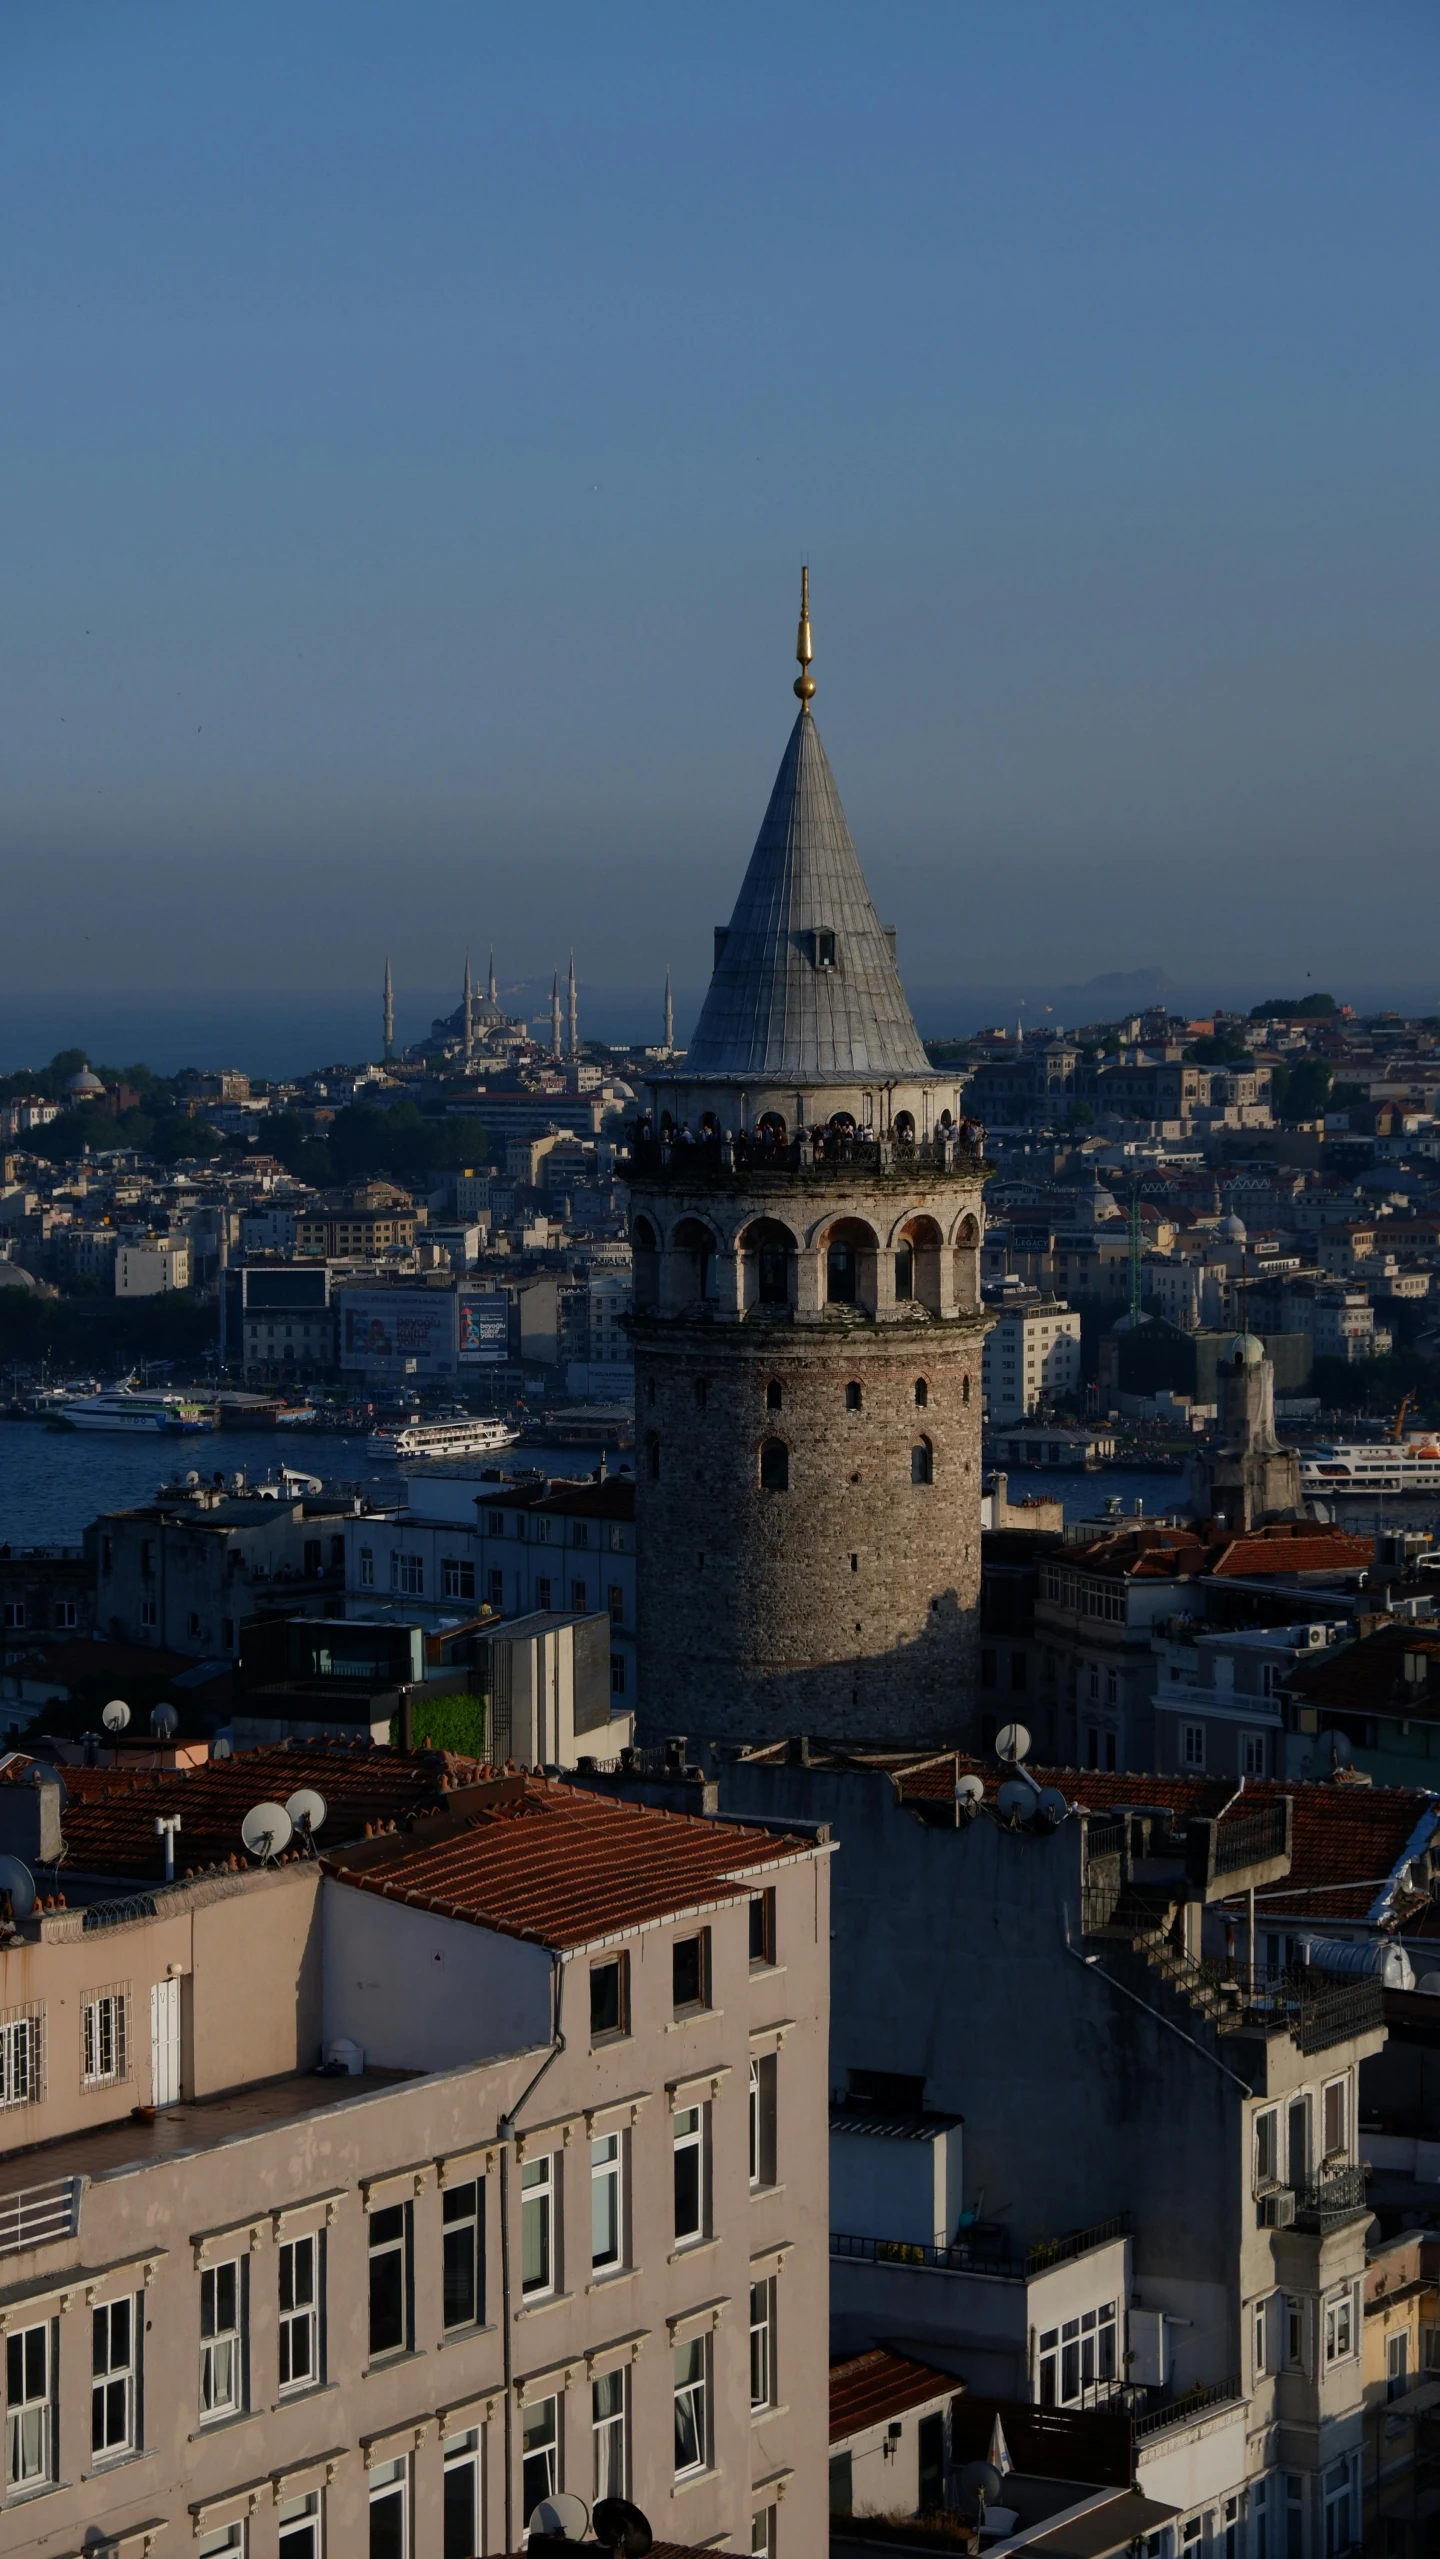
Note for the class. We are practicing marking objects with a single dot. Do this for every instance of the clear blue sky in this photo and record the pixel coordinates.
(414, 416)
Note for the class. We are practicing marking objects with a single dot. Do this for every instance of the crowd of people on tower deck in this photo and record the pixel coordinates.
(772, 1144)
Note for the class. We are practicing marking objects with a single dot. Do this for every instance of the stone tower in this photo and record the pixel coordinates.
(805, 1217)
(1247, 1476)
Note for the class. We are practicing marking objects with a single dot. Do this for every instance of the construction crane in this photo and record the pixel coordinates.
(1406, 1401)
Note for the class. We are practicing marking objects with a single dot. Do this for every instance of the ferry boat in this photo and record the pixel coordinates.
(472, 1437)
(1410, 1465)
(132, 1409)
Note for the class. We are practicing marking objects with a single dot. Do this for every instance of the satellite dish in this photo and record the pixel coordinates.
(163, 1722)
(265, 1830)
(1015, 1801)
(621, 2527)
(1052, 1807)
(1430, 1984)
(192, 1479)
(17, 1880)
(1012, 1742)
(559, 2518)
(116, 1715)
(306, 1808)
(221, 1747)
(1341, 1754)
(978, 2479)
(970, 1790)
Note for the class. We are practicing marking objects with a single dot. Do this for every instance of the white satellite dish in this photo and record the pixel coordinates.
(265, 1830)
(1015, 1801)
(1430, 1984)
(221, 1747)
(306, 1808)
(164, 1721)
(970, 1790)
(559, 2518)
(116, 1715)
(17, 1880)
(1012, 1742)
(1052, 1807)
(1341, 1753)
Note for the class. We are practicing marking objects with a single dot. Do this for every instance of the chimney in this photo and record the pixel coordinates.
(30, 1820)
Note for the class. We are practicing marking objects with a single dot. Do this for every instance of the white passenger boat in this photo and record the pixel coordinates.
(1409, 1465)
(133, 1409)
(472, 1437)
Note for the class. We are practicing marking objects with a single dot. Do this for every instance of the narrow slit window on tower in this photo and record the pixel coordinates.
(702, 1392)
(922, 1463)
(965, 1389)
(774, 1467)
(824, 950)
(904, 1272)
(774, 1396)
(922, 1394)
(853, 1397)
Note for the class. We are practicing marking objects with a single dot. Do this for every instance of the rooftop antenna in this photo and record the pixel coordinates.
(17, 1889)
(266, 1830)
(116, 1715)
(166, 1825)
(804, 681)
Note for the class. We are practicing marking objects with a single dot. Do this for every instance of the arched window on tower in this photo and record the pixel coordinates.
(922, 1393)
(922, 1463)
(967, 1265)
(774, 1466)
(904, 1273)
(853, 1397)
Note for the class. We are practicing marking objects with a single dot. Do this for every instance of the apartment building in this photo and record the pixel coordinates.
(185, 1571)
(1124, 2171)
(367, 1219)
(1031, 1358)
(150, 1268)
(550, 2213)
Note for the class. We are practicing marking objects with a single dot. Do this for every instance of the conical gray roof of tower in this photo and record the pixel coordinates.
(774, 1012)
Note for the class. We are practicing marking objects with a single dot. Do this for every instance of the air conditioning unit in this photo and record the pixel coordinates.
(1277, 2210)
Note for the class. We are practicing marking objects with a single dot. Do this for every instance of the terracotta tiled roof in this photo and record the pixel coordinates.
(1368, 1678)
(109, 1813)
(613, 1499)
(564, 1867)
(1167, 1554)
(866, 2389)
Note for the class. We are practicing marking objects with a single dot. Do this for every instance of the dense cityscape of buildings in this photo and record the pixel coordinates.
(507, 1911)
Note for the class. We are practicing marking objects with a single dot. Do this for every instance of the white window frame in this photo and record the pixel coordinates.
(22, 2055)
(538, 2190)
(1192, 1746)
(692, 2394)
(377, 2249)
(1341, 2327)
(227, 2543)
(302, 2517)
(689, 2130)
(462, 2452)
(607, 2200)
(453, 1571)
(610, 2433)
(466, 2227)
(367, 1568)
(302, 2319)
(1339, 2089)
(29, 2413)
(113, 2386)
(222, 2342)
(762, 2345)
(762, 2533)
(105, 2036)
(1266, 2179)
(407, 1573)
(538, 2446)
(388, 2480)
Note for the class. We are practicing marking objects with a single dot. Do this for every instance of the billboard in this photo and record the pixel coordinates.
(484, 1329)
(398, 1332)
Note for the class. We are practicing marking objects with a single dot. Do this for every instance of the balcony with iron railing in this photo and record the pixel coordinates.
(719, 1156)
(984, 2251)
(33, 2215)
(1333, 2195)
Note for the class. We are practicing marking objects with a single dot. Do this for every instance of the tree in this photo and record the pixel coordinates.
(1294, 1008)
(1301, 1091)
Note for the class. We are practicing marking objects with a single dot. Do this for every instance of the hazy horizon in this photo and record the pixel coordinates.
(415, 421)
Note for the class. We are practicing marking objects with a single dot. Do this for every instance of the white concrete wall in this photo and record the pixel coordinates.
(419, 1992)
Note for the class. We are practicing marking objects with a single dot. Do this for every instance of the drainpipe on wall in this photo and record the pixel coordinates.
(505, 2133)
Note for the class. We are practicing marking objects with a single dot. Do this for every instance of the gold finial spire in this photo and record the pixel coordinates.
(804, 681)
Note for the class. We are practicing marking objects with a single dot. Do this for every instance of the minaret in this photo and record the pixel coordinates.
(669, 1019)
(805, 1223)
(491, 992)
(469, 1005)
(556, 1050)
(388, 1015)
(573, 1016)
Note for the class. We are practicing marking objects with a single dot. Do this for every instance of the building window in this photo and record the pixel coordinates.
(147, 1612)
(542, 1590)
(617, 1674)
(608, 2004)
(1192, 1745)
(104, 2020)
(580, 1532)
(29, 2393)
(774, 1396)
(842, 2484)
(762, 2345)
(463, 2252)
(1267, 2150)
(1294, 2334)
(112, 2387)
(389, 2510)
(762, 2533)
(497, 1588)
(66, 1613)
(854, 1399)
(689, 2173)
(1336, 2114)
(1340, 2327)
(922, 1394)
(607, 2418)
(457, 1580)
(21, 2076)
(460, 2536)
(389, 2280)
(922, 1463)
(220, 2339)
(606, 2233)
(299, 2313)
(1254, 1754)
(577, 1598)
(691, 2411)
(539, 2454)
(762, 2120)
(689, 1972)
(1258, 2336)
(774, 1466)
(537, 2226)
(762, 1929)
(1338, 2537)
(616, 1599)
(407, 1574)
(840, 1274)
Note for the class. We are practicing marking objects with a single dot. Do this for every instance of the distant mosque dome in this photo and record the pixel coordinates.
(84, 1083)
(1244, 1348)
(1231, 1229)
